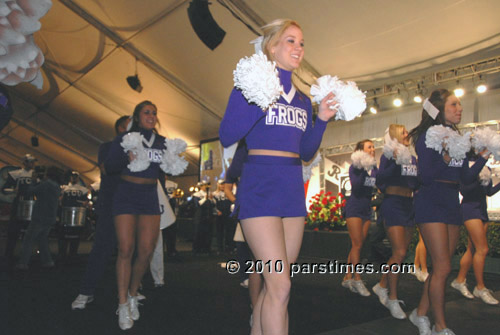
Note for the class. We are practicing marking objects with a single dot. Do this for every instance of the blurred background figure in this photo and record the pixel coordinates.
(204, 204)
(18, 182)
(74, 202)
(47, 192)
(223, 223)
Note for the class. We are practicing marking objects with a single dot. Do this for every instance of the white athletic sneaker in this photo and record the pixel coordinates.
(446, 331)
(462, 288)
(359, 287)
(134, 307)
(382, 294)
(348, 284)
(421, 322)
(140, 296)
(485, 296)
(124, 320)
(81, 301)
(395, 309)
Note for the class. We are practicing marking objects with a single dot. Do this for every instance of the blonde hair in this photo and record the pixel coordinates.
(396, 132)
(272, 32)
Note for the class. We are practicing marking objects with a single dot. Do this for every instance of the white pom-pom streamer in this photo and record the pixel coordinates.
(132, 142)
(458, 145)
(352, 102)
(171, 162)
(440, 137)
(391, 146)
(485, 176)
(487, 138)
(141, 161)
(258, 80)
(363, 160)
(307, 168)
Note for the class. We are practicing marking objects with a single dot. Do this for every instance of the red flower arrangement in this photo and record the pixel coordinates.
(325, 212)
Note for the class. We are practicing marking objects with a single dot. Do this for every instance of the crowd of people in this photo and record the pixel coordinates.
(259, 207)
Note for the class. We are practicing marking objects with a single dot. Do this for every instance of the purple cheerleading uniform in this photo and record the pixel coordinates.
(132, 198)
(437, 198)
(474, 200)
(397, 210)
(362, 184)
(270, 185)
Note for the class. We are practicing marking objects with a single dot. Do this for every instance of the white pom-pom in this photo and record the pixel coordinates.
(176, 145)
(440, 137)
(486, 138)
(171, 162)
(307, 168)
(141, 161)
(352, 102)
(434, 139)
(132, 141)
(485, 176)
(363, 160)
(258, 80)
(458, 145)
(391, 146)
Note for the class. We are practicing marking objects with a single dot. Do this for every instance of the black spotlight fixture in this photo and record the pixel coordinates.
(34, 141)
(134, 83)
(204, 24)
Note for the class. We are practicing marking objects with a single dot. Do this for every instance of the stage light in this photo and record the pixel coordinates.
(398, 101)
(418, 98)
(481, 85)
(204, 24)
(459, 91)
(374, 107)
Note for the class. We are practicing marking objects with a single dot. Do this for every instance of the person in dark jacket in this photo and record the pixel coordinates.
(43, 218)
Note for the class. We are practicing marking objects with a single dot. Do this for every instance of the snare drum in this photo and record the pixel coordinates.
(73, 216)
(25, 210)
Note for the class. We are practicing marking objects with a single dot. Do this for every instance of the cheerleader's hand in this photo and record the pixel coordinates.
(446, 157)
(485, 153)
(328, 107)
(131, 156)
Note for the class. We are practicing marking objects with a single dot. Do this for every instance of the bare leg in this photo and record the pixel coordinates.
(147, 236)
(274, 239)
(465, 262)
(400, 238)
(357, 232)
(440, 240)
(125, 226)
(421, 255)
(477, 232)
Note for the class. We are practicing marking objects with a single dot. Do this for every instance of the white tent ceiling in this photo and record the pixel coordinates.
(91, 46)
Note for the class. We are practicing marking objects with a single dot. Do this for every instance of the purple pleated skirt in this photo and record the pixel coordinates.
(438, 202)
(271, 186)
(397, 211)
(137, 199)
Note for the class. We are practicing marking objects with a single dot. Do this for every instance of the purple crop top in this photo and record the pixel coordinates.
(431, 166)
(117, 159)
(362, 183)
(392, 174)
(285, 126)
